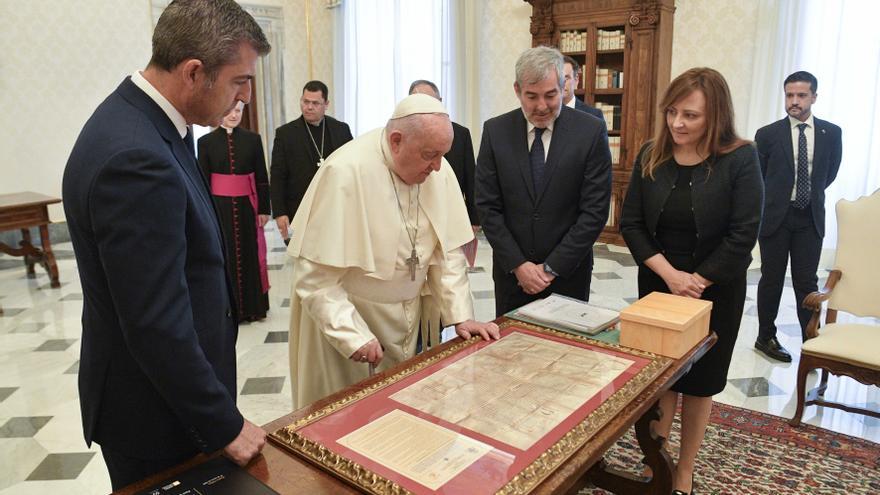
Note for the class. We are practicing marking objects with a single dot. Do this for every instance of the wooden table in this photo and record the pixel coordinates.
(23, 211)
(287, 473)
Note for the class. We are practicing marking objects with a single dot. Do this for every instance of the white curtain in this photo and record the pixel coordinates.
(831, 40)
(387, 44)
(843, 52)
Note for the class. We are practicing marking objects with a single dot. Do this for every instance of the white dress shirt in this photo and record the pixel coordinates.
(176, 118)
(545, 137)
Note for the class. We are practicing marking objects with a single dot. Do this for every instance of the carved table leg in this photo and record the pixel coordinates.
(623, 483)
(48, 260)
(29, 261)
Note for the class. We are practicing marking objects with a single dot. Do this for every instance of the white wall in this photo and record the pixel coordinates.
(720, 35)
(502, 33)
(59, 60)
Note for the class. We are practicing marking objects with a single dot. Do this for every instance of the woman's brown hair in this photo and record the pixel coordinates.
(720, 137)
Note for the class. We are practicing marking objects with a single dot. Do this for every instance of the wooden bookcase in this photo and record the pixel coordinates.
(643, 55)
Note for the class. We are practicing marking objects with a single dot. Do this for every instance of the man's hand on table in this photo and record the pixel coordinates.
(247, 444)
(469, 328)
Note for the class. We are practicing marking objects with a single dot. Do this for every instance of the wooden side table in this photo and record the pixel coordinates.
(22, 211)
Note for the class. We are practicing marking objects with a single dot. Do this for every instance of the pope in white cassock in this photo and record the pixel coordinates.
(383, 216)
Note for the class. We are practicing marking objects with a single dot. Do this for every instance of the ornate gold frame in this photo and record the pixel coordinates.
(527, 479)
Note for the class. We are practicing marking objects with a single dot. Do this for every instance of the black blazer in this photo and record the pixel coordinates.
(157, 365)
(461, 159)
(295, 161)
(583, 107)
(726, 197)
(559, 224)
(778, 169)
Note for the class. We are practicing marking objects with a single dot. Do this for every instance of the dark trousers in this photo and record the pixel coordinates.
(125, 470)
(798, 238)
(509, 295)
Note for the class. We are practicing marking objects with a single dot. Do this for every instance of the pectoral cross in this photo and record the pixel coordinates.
(320, 162)
(413, 262)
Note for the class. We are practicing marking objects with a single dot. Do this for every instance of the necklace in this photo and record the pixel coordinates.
(413, 261)
(321, 150)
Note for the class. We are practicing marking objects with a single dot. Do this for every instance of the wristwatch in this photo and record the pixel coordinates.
(549, 270)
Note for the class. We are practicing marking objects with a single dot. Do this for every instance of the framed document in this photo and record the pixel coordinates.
(478, 417)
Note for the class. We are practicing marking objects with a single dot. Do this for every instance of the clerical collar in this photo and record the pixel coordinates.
(228, 129)
(315, 125)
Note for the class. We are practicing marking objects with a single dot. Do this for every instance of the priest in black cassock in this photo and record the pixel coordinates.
(235, 166)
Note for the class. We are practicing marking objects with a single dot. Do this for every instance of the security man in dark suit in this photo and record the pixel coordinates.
(157, 365)
(301, 146)
(543, 187)
(460, 156)
(572, 80)
(800, 156)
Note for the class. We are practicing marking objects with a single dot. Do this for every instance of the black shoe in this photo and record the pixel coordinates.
(773, 349)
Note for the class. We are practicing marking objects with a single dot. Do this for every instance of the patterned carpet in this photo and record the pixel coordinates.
(747, 452)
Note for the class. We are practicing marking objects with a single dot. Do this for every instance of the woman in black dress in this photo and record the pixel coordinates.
(235, 166)
(690, 219)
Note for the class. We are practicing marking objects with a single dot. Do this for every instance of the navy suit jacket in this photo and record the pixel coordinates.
(559, 224)
(583, 107)
(157, 365)
(778, 168)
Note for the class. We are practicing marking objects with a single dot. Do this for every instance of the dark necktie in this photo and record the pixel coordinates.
(190, 143)
(536, 159)
(802, 195)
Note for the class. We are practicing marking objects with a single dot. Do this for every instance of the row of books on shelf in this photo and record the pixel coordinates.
(610, 40)
(608, 78)
(611, 113)
(614, 145)
(573, 41)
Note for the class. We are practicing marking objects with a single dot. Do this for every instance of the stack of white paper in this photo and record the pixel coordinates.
(567, 313)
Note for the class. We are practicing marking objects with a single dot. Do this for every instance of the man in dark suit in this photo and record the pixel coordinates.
(800, 156)
(157, 366)
(572, 82)
(543, 187)
(301, 146)
(460, 156)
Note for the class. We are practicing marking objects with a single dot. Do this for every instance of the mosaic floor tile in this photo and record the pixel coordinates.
(265, 385)
(23, 427)
(61, 466)
(276, 337)
(6, 392)
(756, 387)
(55, 345)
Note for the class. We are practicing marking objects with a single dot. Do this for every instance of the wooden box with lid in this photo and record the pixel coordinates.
(665, 324)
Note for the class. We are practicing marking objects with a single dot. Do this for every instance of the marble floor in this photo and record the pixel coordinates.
(41, 445)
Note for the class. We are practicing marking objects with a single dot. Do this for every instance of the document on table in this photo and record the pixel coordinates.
(515, 390)
(418, 449)
(568, 313)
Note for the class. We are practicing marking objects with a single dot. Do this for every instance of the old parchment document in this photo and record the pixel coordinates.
(420, 450)
(515, 390)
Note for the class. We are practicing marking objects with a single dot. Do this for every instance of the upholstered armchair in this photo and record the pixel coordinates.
(848, 349)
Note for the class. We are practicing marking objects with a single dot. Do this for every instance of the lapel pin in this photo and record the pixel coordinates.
(823, 131)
